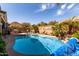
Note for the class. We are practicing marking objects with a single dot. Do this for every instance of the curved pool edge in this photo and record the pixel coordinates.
(43, 35)
(11, 52)
(9, 47)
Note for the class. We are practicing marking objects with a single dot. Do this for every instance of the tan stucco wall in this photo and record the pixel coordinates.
(45, 29)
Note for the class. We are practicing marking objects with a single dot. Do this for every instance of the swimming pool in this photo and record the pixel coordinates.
(36, 44)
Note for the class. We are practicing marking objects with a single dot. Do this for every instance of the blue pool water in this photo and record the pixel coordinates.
(36, 44)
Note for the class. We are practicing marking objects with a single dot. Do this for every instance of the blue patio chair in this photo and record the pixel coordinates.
(72, 43)
(67, 49)
(75, 54)
(77, 50)
(77, 47)
(62, 51)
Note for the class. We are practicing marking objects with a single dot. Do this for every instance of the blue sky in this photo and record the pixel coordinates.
(37, 12)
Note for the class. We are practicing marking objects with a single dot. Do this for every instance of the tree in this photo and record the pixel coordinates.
(42, 24)
(56, 29)
(35, 28)
(26, 27)
(59, 29)
(73, 26)
(15, 25)
(64, 27)
(76, 34)
(52, 23)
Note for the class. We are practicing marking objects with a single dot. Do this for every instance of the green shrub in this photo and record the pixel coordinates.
(2, 46)
(76, 34)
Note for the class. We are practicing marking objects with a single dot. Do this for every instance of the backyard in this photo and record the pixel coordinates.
(63, 31)
(38, 34)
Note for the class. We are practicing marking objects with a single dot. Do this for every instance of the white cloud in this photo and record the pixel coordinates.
(63, 6)
(59, 12)
(44, 7)
(70, 6)
(63, 10)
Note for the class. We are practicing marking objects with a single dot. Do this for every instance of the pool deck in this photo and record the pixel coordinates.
(9, 43)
